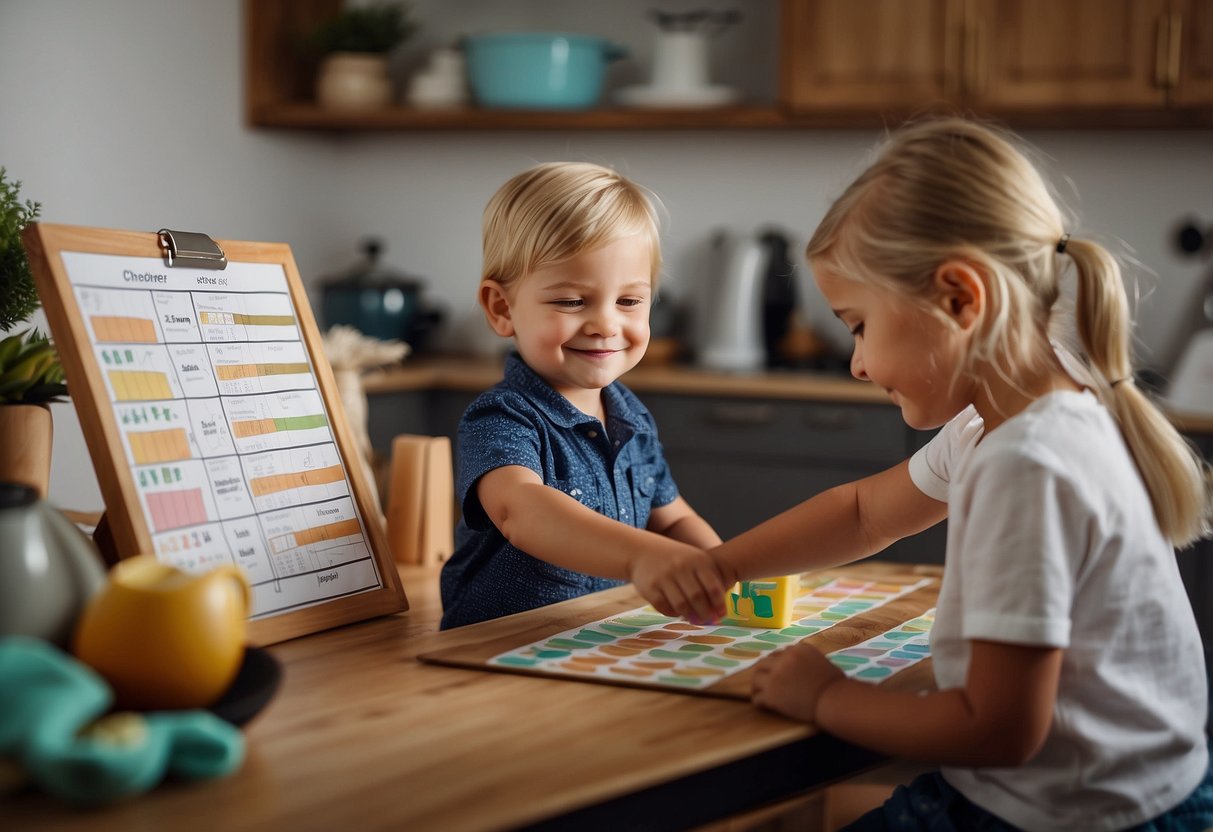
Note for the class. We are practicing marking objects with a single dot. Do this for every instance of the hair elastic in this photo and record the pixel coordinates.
(1119, 380)
(1061, 244)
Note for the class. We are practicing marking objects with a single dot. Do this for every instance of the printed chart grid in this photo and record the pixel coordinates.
(226, 433)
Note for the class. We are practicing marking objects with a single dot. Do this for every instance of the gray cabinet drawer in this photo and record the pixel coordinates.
(762, 428)
(736, 495)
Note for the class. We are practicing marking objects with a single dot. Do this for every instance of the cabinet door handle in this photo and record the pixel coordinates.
(1174, 49)
(834, 418)
(741, 415)
(1167, 50)
(1161, 53)
(953, 54)
(978, 59)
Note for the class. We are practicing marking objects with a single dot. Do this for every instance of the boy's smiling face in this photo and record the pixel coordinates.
(583, 322)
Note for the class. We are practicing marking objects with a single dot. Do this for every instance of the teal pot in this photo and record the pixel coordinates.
(380, 302)
(537, 70)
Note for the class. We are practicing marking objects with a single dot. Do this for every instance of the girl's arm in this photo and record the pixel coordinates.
(837, 526)
(999, 718)
(550, 525)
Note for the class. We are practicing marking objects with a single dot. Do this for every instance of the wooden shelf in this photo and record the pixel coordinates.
(309, 116)
(312, 117)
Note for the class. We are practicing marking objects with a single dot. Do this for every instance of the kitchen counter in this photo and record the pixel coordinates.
(475, 374)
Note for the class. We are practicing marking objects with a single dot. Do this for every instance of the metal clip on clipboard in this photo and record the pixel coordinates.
(190, 248)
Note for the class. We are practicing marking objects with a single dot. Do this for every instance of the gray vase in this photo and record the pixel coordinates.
(49, 569)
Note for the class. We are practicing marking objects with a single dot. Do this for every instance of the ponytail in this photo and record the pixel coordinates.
(1175, 475)
(947, 188)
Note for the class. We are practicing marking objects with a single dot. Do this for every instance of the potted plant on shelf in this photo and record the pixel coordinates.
(31, 376)
(353, 74)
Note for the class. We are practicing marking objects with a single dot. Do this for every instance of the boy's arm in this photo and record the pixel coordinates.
(552, 526)
(678, 520)
(999, 718)
(837, 526)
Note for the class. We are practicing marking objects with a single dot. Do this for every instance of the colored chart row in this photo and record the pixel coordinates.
(123, 316)
(187, 492)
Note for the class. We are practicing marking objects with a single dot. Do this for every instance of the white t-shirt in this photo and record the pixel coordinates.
(1052, 542)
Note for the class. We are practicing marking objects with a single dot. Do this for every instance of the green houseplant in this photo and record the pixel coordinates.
(373, 29)
(353, 74)
(18, 297)
(31, 376)
(30, 372)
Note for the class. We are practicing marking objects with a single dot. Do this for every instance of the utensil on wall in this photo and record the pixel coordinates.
(1189, 367)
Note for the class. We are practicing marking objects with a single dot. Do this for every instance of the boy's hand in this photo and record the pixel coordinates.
(686, 584)
(791, 681)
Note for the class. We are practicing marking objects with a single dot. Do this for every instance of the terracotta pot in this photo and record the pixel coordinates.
(353, 81)
(26, 432)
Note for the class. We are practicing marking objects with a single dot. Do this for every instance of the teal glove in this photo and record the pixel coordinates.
(49, 709)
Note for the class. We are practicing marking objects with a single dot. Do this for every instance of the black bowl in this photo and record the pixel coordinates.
(255, 684)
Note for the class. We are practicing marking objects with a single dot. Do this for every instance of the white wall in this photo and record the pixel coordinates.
(129, 114)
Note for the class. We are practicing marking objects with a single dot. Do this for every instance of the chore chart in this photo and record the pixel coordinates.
(226, 434)
(228, 448)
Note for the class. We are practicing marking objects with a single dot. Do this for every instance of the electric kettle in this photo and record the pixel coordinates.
(729, 317)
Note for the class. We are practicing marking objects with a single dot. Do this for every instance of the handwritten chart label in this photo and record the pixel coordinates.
(225, 430)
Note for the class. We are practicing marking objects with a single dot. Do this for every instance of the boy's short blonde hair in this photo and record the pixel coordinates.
(559, 210)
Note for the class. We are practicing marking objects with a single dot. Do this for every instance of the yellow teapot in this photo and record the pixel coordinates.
(164, 638)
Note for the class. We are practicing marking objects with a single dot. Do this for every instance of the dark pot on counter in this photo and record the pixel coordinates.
(379, 302)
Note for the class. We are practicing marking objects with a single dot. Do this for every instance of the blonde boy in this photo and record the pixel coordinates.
(560, 473)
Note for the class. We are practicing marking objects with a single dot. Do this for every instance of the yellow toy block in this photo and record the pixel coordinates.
(763, 603)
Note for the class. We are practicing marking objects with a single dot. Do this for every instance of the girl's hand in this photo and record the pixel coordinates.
(686, 584)
(791, 681)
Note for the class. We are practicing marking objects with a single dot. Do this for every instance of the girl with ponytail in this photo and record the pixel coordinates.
(1070, 672)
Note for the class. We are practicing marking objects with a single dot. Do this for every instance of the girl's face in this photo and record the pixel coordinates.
(909, 351)
(584, 322)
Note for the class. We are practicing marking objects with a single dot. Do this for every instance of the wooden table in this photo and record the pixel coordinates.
(363, 736)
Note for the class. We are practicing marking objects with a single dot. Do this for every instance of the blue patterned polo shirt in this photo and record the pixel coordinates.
(620, 472)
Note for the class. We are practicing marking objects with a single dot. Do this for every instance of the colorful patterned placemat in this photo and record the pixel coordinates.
(881, 656)
(646, 646)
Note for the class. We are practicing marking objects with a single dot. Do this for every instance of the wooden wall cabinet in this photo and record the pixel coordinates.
(1084, 62)
(1192, 67)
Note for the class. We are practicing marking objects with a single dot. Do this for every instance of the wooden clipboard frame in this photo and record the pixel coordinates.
(45, 244)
